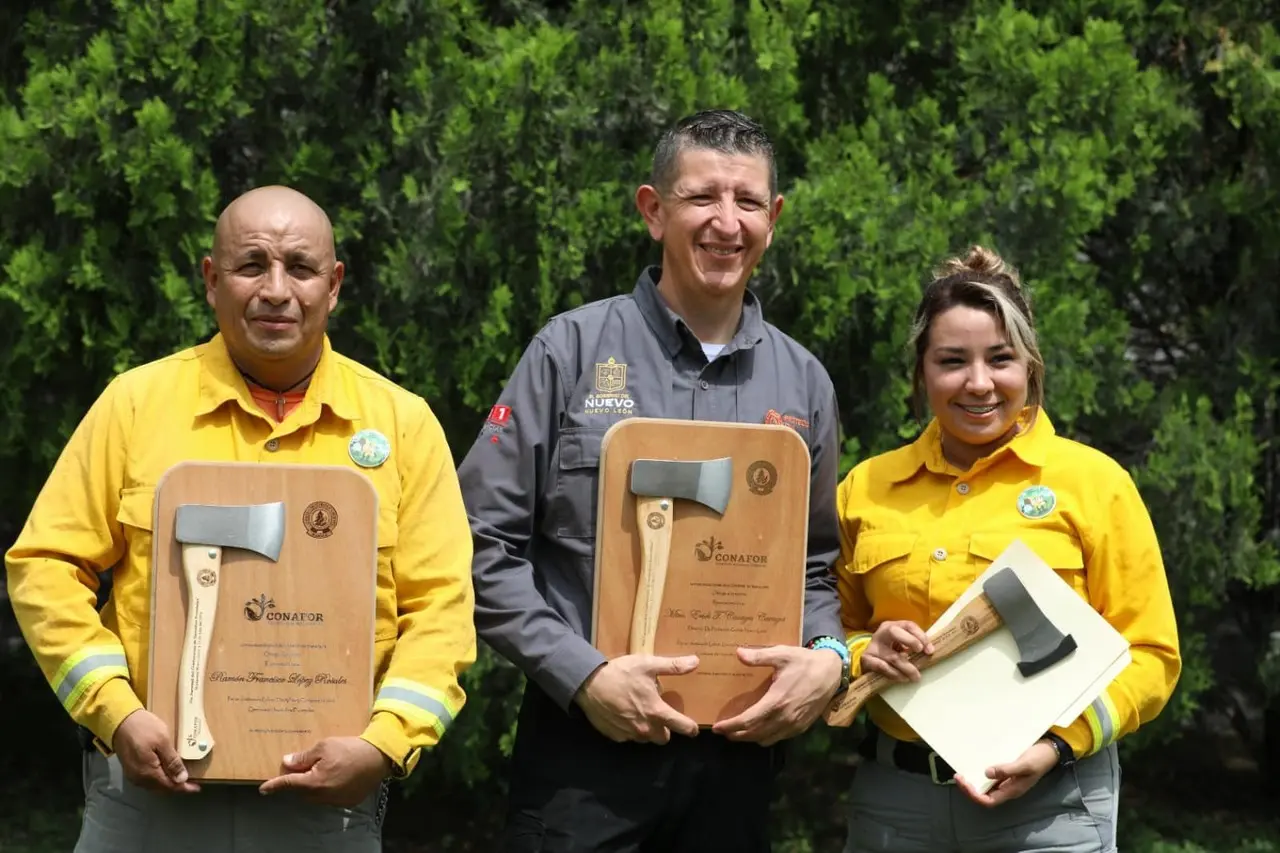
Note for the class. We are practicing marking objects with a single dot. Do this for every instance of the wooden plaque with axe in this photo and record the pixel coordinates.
(701, 538)
(263, 590)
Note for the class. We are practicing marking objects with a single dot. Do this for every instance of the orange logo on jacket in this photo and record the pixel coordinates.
(773, 416)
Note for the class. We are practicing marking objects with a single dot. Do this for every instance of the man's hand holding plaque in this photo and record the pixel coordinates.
(804, 683)
(700, 553)
(622, 699)
(337, 771)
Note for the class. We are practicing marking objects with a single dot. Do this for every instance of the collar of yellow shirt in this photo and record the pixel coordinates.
(221, 382)
(1031, 445)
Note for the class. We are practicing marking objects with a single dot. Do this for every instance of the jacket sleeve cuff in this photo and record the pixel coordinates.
(822, 622)
(1078, 736)
(386, 733)
(567, 669)
(113, 701)
(857, 641)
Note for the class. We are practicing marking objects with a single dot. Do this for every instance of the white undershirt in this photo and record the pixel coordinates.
(711, 350)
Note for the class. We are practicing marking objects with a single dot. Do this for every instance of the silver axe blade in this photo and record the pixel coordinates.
(256, 527)
(707, 482)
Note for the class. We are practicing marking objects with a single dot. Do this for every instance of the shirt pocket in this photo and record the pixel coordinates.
(571, 511)
(136, 517)
(882, 563)
(137, 508)
(878, 550)
(388, 536)
(1060, 549)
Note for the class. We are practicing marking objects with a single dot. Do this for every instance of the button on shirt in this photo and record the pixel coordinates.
(913, 539)
(529, 481)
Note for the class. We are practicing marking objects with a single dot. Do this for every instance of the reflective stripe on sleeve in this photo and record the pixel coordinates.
(1101, 716)
(415, 702)
(84, 669)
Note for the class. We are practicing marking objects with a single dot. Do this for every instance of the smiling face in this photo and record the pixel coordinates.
(715, 222)
(975, 381)
(272, 282)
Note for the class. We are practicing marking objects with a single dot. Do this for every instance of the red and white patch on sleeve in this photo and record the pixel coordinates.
(499, 418)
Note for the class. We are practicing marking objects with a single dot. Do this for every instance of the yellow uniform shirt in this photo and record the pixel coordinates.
(916, 532)
(94, 515)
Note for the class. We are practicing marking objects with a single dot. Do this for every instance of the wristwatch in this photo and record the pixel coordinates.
(1066, 755)
(839, 648)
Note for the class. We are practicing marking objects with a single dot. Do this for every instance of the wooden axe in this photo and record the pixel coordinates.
(204, 531)
(1003, 600)
(657, 484)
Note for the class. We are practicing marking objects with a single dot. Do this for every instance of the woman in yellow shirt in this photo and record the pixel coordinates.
(920, 523)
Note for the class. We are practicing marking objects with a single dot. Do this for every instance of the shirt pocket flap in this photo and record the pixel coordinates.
(1060, 550)
(137, 506)
(580, 448)
(876, 549)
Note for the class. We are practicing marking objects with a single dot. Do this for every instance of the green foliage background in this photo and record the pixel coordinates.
(478, 158)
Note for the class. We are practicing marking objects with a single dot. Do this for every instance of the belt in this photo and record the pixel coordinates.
(911, 756)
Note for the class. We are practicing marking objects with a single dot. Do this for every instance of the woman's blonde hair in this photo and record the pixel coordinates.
(981, 280)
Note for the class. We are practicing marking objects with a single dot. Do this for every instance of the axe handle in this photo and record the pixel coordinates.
(653, 518)
(202, 569)
(975, 620)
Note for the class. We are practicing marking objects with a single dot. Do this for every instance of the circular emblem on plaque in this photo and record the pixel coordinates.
(319, 518)
(655, 521)
(206, 577)
(969, 625)
(761, 477)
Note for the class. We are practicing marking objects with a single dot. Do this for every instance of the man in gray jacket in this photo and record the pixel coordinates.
(595, 766)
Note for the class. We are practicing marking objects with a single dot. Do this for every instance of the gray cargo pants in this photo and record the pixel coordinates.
(1070, 810)
(119, 817)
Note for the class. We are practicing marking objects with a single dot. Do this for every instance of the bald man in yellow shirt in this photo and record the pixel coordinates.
(269, 388)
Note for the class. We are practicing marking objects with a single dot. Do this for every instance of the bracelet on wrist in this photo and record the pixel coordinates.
(837, 646)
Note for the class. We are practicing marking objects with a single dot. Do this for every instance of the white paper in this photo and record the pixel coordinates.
(977, 710)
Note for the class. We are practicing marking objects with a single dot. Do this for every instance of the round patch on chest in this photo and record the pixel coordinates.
(369, 448)
(1037, 501)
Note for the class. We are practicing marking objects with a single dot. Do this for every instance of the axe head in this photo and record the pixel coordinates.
(705, 481)
(257, 527)
(1040, 643)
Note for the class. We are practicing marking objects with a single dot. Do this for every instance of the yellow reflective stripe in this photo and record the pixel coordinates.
(416, 702)
(411, 711)
(1102, 718)
(87, 667)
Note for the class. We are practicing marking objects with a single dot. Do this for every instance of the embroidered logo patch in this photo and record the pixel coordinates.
(773, 416)
(1037, 501)
(610, 396)
(369, 448)
(497, 422)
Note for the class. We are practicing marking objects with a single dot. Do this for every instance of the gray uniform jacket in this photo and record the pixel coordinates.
(529, 481)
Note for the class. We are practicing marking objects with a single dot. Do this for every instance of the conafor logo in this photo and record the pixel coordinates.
(610, 396)
(707, 548)
(256, 608)
(263, 608)
(711, 550)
